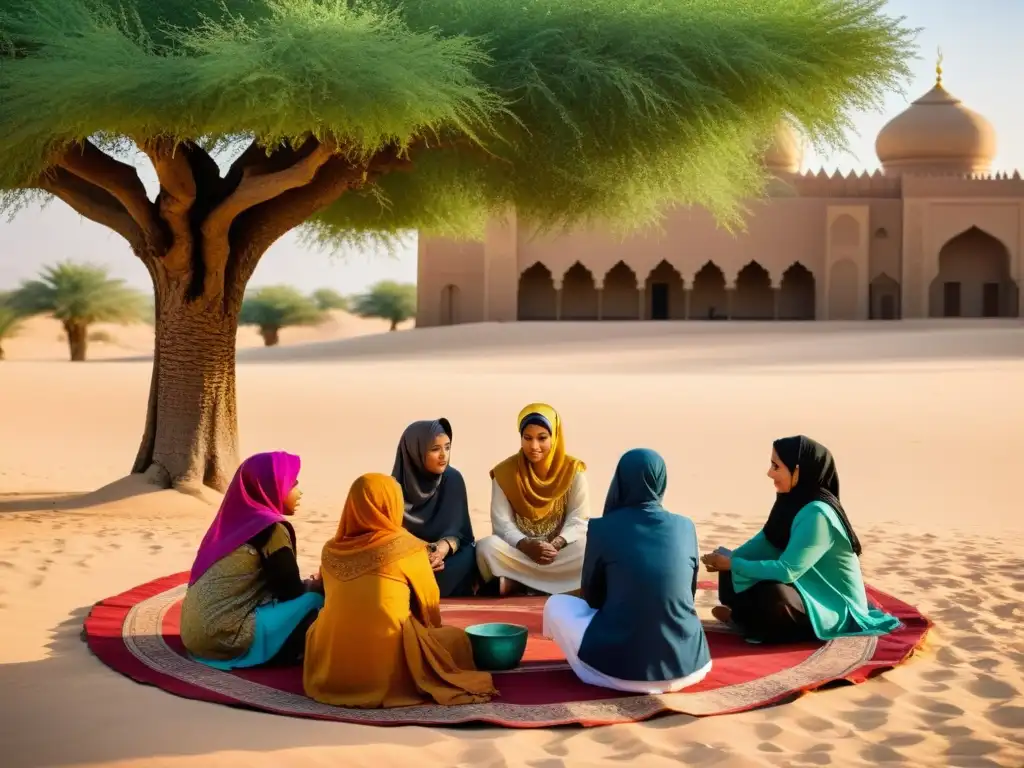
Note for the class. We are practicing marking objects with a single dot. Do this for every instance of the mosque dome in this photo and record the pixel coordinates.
(786, 152)
(937, 134)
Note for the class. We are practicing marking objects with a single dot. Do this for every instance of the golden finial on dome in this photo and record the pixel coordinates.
(938, 68)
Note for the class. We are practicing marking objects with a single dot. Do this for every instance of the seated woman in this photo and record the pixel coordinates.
(379, 642)
(539, 511)
(799, 579)
(636, 628)
(436, 506)
(246, 603)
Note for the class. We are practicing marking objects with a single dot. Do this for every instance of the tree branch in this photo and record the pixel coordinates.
(94, 203)
(261, 226)
(259, 183)
(177, 195)
(119, 179)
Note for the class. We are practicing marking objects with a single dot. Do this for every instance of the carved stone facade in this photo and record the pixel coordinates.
(933, 235)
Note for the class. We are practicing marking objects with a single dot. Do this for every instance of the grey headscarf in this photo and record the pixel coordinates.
(435, 505)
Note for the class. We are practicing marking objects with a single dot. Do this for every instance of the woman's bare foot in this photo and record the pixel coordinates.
(723, 613)
(510, 588)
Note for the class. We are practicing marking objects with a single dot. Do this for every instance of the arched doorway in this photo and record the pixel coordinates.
(884, 297)
(620, 299)
(753, 298)
(845, 232)
(974, 278)
(666, 297)
(842, 291)
(537, 299)
(796, 294)
(708, 298)
(450, 308)
(579, 296)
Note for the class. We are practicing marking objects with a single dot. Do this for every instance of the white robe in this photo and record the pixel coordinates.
(496, 555)
(566, 619)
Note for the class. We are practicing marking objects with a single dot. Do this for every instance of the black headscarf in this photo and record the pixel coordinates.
(818, 481)
(435, 505)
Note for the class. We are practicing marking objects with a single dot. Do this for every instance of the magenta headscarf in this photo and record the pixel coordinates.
(254, 501)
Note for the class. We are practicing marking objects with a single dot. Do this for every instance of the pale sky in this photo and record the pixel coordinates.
(984, 64)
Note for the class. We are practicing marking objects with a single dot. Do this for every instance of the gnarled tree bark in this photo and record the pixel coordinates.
(200, 240)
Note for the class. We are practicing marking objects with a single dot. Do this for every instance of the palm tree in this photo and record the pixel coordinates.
(10, 321)
(388, 300)
(276, 307)
(79, 295)
(328, 298)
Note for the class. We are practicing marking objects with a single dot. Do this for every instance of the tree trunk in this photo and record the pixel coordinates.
(271, 335)
(1, 351)
(394, 325)
(78, 340)
(191, 433)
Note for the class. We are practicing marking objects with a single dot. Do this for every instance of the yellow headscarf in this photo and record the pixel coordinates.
(535, 490)
(370, 534)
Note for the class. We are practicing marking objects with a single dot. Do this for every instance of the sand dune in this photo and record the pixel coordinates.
(42, 337)
(925, 424)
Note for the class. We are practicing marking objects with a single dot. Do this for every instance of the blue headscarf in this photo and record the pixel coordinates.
(640, 480)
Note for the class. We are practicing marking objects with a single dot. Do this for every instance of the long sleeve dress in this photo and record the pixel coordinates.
(497, 555)
(821, 566)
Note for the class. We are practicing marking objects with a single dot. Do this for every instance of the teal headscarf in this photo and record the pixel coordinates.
(640, 480)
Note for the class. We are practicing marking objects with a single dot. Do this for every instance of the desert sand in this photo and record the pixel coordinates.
(925, 420)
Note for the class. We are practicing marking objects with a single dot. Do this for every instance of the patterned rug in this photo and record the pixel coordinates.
(137, 634)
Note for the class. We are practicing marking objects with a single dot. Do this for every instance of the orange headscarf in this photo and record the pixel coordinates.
(534, 490)
(370, 534)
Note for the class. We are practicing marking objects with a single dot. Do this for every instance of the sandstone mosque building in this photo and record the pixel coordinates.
(934, 234)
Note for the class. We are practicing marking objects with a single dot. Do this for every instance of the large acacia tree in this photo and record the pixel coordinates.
(361, 117)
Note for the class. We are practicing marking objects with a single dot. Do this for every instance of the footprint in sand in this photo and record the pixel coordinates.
(898, 740)
(36, 581)
(940, 710)
(1008, 716)
(155, 548)
(880, 754)
(988, 687)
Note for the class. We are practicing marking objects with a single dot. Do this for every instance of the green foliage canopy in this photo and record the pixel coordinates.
(388, 300)
(10, 320)
(328, 298)
(570, 111)
(279, 306)
(79, 294)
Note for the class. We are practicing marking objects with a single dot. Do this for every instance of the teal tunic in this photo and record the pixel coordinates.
(820, 563)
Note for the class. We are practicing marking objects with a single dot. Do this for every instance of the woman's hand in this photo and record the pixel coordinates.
(438, 553)
(716, 561)
(541, 552)
(315, 583)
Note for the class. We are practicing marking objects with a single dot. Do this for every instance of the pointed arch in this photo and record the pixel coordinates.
(708, 298)
(753, 298)
(884, 297)
(664, 293)
(620, 298)
(797, 299)
(537, 298)
(974, 278)
(579, 294)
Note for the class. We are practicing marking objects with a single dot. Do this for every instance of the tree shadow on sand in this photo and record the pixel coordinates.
(124, 490)
(73, 710)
